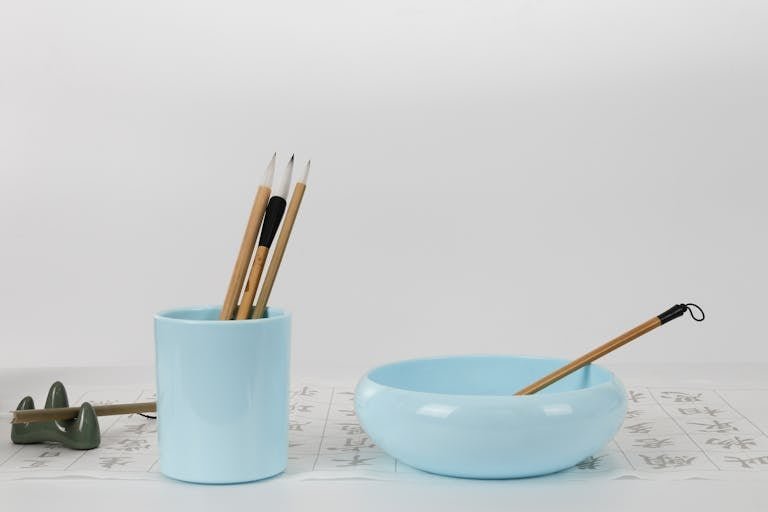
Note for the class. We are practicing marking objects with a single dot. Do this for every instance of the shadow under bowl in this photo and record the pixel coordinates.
(458, 416)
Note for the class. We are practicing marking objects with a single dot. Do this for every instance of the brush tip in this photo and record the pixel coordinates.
(281, 188)
(269, 173)
(305, 174)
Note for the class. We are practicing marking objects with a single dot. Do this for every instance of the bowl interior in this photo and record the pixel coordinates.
(483, 375)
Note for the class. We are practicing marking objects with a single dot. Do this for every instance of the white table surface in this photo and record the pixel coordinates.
(339, 495)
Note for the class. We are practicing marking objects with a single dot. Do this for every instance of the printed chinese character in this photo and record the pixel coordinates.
(653, 442)
(679, 396)
(141, 428)
(591, 462)
(102, 402)
(687, 411)
(748, 463)
(301, 408)
(133, 445)
(35, 464)
(667, 461)
(639, 428)
(50, 453)
(721, 427)
(307, 391)
(351, 445)
(733, 442)
(635, 396)
(108, 462)
(347, 412)
(298, 427)
(345, 395)
(634, 414)
(356, 460)
(352, 428)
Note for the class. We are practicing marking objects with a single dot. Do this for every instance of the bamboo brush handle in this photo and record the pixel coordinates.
(244, 256)
(70, 413)
(675, 311)
(249, 294)
(591, 356)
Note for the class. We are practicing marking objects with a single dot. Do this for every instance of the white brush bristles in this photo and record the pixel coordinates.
(305, 173)
(269, 173)
(284, 181)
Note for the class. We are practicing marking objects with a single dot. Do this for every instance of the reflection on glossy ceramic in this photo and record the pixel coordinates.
(457, 416)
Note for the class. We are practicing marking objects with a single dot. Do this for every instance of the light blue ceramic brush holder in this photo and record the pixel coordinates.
(222, 395)
(458, 416)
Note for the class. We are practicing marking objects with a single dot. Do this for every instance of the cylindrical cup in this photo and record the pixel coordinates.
(222, 395)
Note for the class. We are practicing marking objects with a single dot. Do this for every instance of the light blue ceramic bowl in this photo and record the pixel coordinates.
(457, 416)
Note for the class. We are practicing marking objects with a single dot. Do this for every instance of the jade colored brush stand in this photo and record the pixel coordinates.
(81, 433)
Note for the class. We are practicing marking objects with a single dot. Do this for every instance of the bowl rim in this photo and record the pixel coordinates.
(611, 382)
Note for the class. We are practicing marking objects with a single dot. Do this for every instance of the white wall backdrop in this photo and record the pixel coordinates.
(506, 176)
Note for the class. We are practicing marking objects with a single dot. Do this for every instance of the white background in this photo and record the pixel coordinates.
(519, 177)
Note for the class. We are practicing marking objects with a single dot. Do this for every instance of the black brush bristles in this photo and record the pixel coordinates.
(272, 218)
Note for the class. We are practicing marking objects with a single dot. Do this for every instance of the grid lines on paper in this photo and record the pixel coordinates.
(667, 430)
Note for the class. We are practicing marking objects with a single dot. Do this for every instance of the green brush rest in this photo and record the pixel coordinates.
(81, 433)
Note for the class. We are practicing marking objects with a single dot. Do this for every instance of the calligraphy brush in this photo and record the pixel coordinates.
(647, 326)
(272, 217)
(70, 413)
(282, 242)
(248, 243)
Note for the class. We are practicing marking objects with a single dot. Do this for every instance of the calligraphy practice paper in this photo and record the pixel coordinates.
(668, 433)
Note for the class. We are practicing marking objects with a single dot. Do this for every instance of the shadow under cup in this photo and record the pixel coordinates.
(222, 395)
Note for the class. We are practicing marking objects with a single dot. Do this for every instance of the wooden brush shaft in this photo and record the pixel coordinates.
(70, 413)
(249, 294)
(591, 356)
(244, 256)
